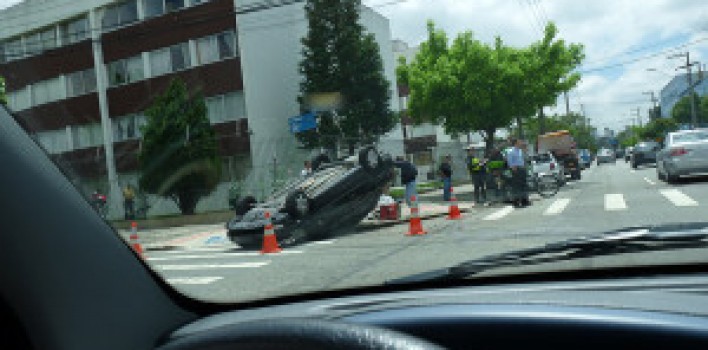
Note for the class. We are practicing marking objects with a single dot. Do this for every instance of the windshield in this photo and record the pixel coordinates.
(252, 149)
(690, 137)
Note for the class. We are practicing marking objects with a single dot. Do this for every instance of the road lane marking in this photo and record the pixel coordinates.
(649, 181)
(217, 255)
(211, 266)
(499, 213)
(557, 207)
(632, 171)
(678, 198)
(329, 241)
(615, 201)
(193, 280)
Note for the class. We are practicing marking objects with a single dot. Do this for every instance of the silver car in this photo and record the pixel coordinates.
(605, 155)
(685, 153)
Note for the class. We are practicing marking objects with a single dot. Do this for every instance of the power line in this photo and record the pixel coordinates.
(657, 54)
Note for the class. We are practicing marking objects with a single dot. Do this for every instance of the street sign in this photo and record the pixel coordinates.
(300, 123)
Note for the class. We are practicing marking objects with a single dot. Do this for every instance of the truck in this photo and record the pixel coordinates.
(563, 148)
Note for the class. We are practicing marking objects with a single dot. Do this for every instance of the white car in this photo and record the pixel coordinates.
(546, 163)
(685, 153)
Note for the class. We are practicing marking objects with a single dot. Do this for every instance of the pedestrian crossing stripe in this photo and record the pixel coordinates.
(499, 214)
(557, 206)
(615, 201)
(212, 266)
(194, 280)
(678, 198)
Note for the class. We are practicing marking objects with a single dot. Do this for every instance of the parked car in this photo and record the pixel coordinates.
(644, 153)
(605, 155)
(628, 154)
(619, 153)
(585, 158)
(338, 194)
(546, 163)
(685, 153)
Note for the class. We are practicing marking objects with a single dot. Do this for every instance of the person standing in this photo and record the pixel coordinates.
(445, 171)
(408, 175)
(129, 202)
(478, 172)
(515, 161)
(495, 168)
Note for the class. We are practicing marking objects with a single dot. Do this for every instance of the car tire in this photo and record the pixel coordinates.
(298, 204)
(635, 165)
(670, 178)
(369, 159)
(659, 174)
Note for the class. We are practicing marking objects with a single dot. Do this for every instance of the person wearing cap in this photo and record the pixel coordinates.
(478, 173)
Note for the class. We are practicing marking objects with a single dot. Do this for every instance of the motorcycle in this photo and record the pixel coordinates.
(100, 202)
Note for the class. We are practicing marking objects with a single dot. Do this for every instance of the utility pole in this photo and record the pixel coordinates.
(652, 115)
(567, 103)
(639, 117)
(690, 85)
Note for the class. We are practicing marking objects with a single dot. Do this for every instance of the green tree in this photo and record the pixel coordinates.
(3, 97)
(549, 71)
(681, 112)
(179, 154)
(338, 56)
(657, 129)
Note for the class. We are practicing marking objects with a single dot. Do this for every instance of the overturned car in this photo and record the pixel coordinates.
(335, 196)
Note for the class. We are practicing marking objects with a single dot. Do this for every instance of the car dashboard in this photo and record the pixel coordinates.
(657, 312)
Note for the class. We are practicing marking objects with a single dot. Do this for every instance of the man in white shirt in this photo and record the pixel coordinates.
(517, 164)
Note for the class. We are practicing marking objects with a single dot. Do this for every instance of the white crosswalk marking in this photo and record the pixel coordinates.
(193, 280)
(649, 181)
(211, 266)
(499, 213)
(615, 201)
(678, 198)
(557, 207)
(218, 255)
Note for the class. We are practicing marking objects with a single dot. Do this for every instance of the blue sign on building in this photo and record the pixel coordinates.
(300, 123)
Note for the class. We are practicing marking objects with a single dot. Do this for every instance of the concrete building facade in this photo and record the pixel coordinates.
(80, 75)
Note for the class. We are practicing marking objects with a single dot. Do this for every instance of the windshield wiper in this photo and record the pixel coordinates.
(640, 239)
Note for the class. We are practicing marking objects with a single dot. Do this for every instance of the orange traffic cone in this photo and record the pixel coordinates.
(134, 240)
(270, 241)
(454, 213)
(416, 226)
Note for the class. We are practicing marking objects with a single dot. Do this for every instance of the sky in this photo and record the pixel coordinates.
(630, 36)
(612, 31)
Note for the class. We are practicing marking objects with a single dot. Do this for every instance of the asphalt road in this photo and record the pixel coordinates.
(608, 197)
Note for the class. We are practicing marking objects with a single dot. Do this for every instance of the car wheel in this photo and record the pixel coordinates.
(659, 174)
(670, 178)
(369, 159)
(634, 165)
(297, 204)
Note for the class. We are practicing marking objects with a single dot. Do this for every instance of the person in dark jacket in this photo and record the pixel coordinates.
(478, 172)
(445, 171)
(408, 176)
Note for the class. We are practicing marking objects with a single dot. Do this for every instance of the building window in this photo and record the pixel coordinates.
(49, 39)
(226, 43)
(160, 62)
(228, 107)
(19, 99)
(120, 14)
(74, 31)
(79, 83)
(197, 2)
(216, 47)
(125, 71)
(87, 135)
(33, 44)
(154, 8)
(171, 59)
(173, 5)
(14, 49)
(128, 127)
(47, 91)
(54, 141)
(179, 54)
